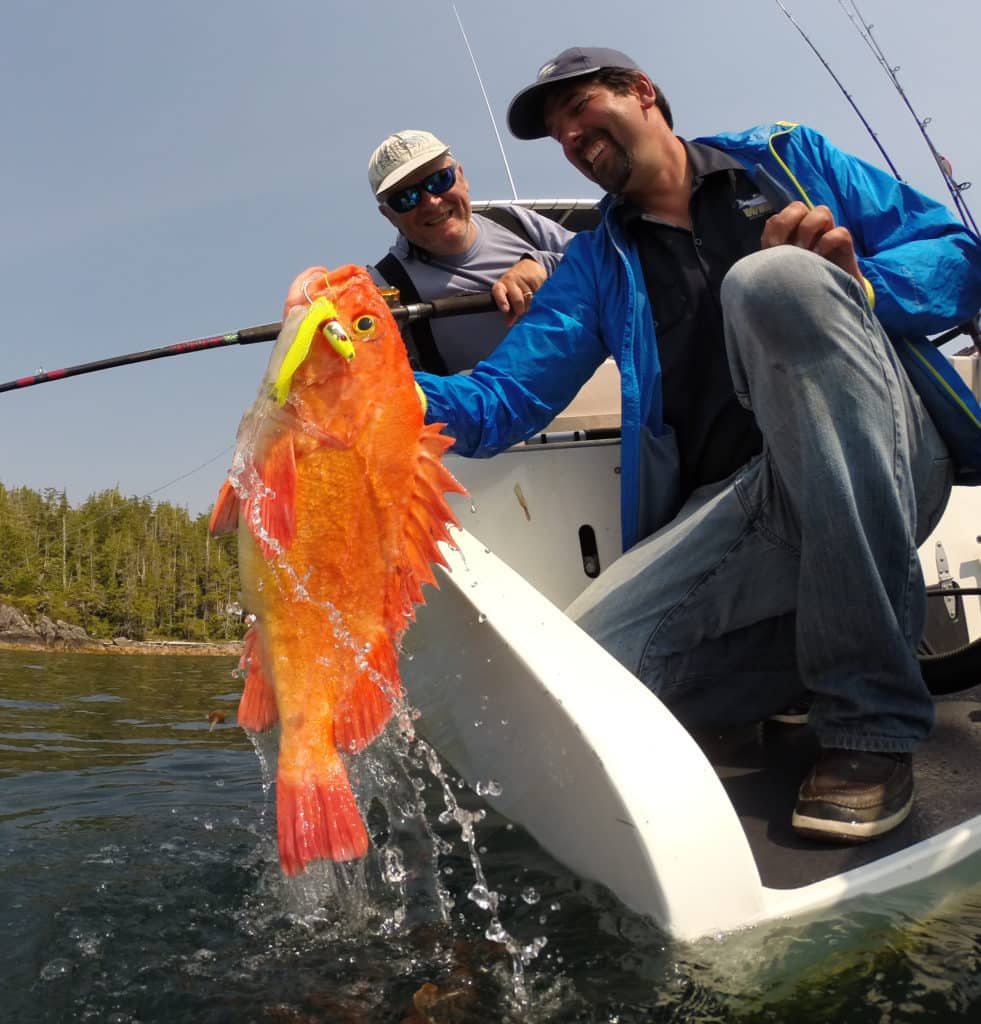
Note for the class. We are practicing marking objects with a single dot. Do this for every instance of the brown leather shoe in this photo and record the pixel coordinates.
(850, 796)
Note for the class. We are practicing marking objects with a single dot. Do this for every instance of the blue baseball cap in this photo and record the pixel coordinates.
(526, 114)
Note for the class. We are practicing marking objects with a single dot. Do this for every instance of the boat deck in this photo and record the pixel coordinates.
(761, 769)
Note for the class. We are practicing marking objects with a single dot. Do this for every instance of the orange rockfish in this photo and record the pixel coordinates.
(336, 489)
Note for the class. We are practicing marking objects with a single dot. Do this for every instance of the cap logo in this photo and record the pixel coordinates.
(546, 69)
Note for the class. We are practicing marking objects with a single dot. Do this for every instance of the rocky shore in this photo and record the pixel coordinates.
(17, 632)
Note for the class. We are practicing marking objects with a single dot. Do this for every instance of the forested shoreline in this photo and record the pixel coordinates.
(118, 567)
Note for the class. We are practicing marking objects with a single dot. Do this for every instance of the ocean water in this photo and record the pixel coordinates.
(139, 882)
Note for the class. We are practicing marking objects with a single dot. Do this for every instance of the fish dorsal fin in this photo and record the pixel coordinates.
(224, 516)
(427, 519)
(271, 511)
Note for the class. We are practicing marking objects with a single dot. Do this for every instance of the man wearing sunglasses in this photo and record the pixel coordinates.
(789, 436)
(445, 249)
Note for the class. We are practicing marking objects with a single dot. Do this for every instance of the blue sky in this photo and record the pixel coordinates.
(168, 169)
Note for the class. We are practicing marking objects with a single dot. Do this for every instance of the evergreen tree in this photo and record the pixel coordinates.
(118, 566)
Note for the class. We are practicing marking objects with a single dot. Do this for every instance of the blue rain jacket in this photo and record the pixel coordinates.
(924, 268)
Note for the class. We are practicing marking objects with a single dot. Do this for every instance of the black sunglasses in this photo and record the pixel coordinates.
(435, 184)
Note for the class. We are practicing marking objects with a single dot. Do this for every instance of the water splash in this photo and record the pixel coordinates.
(480, 892)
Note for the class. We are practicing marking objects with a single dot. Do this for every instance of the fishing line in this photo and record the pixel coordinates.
(143, 497)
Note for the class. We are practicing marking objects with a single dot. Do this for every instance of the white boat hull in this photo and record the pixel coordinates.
(589, 761)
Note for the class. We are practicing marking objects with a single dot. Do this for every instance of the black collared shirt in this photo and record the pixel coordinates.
(683, 271)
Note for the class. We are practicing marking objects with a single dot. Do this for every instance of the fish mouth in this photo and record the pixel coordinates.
(322, 317)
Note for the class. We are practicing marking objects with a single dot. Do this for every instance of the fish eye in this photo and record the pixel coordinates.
(363, 327)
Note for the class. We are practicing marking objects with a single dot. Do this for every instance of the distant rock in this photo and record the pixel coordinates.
(16, 630)
(61, 632)
(15, 627)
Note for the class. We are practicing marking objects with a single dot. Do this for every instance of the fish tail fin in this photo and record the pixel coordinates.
(366, 710)
(224, 516)
(257, 710)
(317, 817)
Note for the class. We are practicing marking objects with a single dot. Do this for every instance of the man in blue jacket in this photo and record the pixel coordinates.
(779, 468)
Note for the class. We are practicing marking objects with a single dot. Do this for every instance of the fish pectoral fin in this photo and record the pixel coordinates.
(257, 710)
(362, 715)
(317, 817)
(224, 516)
(271, 510)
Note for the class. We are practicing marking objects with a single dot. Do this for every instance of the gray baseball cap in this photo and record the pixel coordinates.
(526, 114)
(401, 154)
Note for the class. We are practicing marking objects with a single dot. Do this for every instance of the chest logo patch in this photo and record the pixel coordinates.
(754, 207)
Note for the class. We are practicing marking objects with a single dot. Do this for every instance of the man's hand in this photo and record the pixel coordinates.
(515, 288)
(815, 230)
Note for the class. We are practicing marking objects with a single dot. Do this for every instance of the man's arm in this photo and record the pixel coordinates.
(516, 287)
(922, 264)
(533, 374)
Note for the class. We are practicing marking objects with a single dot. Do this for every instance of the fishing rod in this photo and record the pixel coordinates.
(461, 305)
(955, 188)
(844, 91)
(972, 327)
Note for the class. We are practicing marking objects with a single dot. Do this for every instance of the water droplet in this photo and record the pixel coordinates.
(483, 897)
(392, 867)
(482, 618)
(530, 895)
(489, 788)
(55, 969)
(529, 952)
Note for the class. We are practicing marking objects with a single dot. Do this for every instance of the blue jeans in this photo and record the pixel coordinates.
(800, 571)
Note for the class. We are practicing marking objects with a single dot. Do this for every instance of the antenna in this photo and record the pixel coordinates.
(955, 188)
(473, 60)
